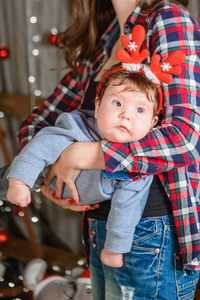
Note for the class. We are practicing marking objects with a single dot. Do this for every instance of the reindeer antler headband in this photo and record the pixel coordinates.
(157, 71)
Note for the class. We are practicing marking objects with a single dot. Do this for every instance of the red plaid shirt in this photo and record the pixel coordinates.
(171, 150)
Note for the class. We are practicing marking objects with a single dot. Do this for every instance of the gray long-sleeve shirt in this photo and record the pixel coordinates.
(128, 197)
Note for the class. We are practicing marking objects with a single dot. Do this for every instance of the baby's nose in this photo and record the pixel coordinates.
(125, 115)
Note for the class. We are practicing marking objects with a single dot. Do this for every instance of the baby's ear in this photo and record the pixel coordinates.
(154, 121)
(97, 104)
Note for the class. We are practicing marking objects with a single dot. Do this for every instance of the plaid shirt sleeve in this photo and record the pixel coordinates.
(66, 97)
(176, 142)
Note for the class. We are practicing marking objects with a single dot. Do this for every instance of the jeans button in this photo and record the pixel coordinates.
(157, 250)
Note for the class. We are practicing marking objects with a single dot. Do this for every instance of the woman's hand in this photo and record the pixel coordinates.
(64, 175)
(76, 157)
(67, 203)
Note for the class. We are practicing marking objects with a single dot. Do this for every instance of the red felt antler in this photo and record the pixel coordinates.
(135, 56)
(163, 70)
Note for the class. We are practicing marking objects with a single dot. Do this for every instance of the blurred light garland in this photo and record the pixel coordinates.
(30, 20)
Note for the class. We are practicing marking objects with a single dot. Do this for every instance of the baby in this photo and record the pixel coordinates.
(125, 111)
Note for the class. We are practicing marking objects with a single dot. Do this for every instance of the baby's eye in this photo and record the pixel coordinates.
(116, 103)
(140, 110)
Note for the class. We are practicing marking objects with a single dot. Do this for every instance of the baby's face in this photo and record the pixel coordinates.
(124, 114)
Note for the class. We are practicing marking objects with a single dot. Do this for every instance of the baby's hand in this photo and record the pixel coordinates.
(111, 259)
(18, 193)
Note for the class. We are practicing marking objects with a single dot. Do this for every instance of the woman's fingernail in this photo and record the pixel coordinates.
(54, 196)
(88, 208)
(70, 201)
(75, 201)
(44, 184)
(96, 206)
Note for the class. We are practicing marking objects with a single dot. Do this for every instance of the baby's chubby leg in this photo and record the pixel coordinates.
(111, 259)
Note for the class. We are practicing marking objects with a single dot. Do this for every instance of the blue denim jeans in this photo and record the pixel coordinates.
(151, 270)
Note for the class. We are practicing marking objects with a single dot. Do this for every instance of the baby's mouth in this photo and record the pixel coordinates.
(123, 128)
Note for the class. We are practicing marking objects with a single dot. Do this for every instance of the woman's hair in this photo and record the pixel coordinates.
(89, 20)
(131, 79)
(149, 5)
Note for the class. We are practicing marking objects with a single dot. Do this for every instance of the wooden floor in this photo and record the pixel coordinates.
(22, 250)
(63, 259)
(17, 105)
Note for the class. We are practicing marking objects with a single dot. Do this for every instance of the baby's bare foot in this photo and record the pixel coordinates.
(111, 259)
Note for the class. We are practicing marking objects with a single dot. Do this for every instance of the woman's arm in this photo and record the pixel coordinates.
(65, 98)
(176, 142)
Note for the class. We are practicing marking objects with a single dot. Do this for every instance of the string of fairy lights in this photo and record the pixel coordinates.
(34, 40)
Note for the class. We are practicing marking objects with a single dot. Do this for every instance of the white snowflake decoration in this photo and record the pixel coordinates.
(132, 46)
(166, 67)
